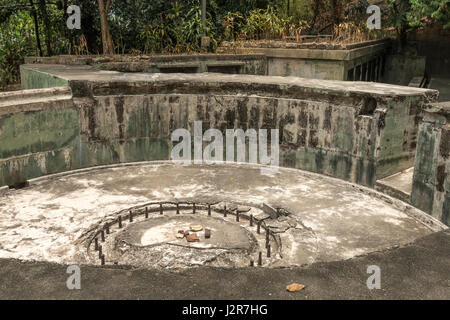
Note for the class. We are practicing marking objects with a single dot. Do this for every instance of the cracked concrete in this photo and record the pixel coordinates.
(330, 219)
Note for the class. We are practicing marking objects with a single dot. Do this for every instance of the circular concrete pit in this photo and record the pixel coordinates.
(306, 217)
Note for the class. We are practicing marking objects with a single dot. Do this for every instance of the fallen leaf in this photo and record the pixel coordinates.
(294, 287)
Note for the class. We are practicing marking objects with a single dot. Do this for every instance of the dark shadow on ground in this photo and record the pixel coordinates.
(417, 271)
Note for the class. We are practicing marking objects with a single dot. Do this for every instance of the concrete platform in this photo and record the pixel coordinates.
(329, 219)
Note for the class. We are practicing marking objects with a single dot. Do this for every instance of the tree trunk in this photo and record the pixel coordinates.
(108, 46)
(46, 26)
(36, 27)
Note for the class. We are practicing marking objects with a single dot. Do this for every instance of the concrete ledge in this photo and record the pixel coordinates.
(34, 99)
(316, 54)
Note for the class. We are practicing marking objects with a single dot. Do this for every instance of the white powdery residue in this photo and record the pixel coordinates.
(332, 239)
(397, 222)
(162, 233)
(88, 183)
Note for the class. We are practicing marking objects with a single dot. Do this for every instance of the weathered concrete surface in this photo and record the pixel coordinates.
(355, 131)
(152, 242)
(44, 221)
(416, 271)
(431, 180)
(316, 60)
(398, 185)
(38, 131)
(189, 63)
(400, 69)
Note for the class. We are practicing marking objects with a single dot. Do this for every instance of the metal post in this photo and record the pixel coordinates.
(204, 13)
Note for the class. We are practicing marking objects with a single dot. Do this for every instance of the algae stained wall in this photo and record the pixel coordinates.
(431, 180)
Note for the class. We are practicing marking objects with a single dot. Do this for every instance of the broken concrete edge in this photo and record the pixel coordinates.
(440, 108)
(426, 219)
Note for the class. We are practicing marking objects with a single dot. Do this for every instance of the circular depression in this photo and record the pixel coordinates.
(329, 219)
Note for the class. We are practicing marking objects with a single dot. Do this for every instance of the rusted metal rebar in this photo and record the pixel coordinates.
(131, 216)
(251, 220)
(268, 250)
(260, 259)
(120, 222)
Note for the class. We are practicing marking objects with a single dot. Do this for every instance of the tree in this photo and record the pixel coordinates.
(409, 14)
(427, 11)
(108, 46)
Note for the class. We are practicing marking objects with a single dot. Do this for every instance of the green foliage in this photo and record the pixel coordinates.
(174, 26)
(179, 30)
(16, 42)
(406, 14)
(425, 11)
(269, 23)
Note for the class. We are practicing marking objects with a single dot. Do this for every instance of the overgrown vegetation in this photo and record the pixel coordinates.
(38, 27)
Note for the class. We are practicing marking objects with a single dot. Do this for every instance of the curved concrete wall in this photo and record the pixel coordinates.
(356, 131)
